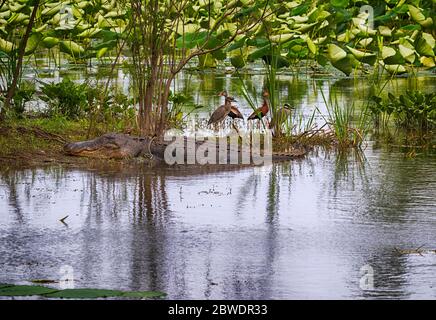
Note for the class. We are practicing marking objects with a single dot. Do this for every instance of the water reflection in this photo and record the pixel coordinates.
(292, 230)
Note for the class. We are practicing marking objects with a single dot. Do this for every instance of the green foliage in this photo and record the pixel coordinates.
(65, 98)
(412, 110)
(86, 293)
(349, 127)
(23, 94)
(13, 290)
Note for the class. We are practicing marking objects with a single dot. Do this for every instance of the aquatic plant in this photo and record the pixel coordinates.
(413, 110)
(65, 98)
(348, 126)
(12, 290)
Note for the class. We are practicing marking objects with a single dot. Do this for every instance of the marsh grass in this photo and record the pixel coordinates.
(348, 125)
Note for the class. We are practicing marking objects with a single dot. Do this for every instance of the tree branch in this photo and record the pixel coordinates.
(21, 52)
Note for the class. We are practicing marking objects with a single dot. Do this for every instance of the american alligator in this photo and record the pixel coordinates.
(121, 146)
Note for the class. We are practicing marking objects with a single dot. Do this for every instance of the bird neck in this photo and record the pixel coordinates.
(228, 103)
(265, 104)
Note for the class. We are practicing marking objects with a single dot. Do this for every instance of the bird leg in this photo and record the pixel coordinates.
(235, 127)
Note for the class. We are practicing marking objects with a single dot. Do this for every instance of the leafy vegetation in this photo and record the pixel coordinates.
(25, 290)
(158, 38)
(412, 110)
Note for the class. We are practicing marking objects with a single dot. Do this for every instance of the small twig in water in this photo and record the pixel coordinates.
(63, 219)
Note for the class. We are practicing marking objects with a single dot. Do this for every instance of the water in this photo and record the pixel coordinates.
(312, 228)
(292, 230)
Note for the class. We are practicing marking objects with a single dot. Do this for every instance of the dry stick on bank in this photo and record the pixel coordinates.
(17, 70)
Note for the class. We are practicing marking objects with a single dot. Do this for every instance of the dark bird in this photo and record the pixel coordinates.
(223, 111)
(263, 110)
(234, 111)
(281, 115)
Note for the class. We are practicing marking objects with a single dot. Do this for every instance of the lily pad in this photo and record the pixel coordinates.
(84, 293)
(25, 290)
(144, 294)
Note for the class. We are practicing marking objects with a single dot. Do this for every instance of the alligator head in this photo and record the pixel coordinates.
(110, 145)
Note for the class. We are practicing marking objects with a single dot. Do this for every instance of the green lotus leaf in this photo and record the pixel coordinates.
(395, 68)
(418, 16)
(72, 48)
(50, 42)
(32, 43)
(51, 11)
(144, 294)
(259, 53)
(407, 53)
(191, 40)
(6, 46)
(237, 44)
(339, 3)
(25, 290)
(428, 62)
(365, 57)
(385, 31)
(206, 61)
(101, 52)
(312, 47)
(335, 53)
(84, 294)
(347, 64)
(424, 48)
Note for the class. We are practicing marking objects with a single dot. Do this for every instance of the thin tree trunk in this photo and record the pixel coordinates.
(21, 51)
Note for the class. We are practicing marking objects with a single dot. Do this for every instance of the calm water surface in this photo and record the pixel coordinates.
(310, 228)
(292, 230)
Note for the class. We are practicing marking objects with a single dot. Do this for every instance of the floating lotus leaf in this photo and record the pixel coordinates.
(419, 17)
(237, 61)
(347, 36)
(206, 61)
(365, 42)
(72, 48)
(41, 28)
(101, 52)
(282, 38)
(144, 294)
(428, 62)
(51, 11)
(339, 3)
(407, 53)
(320, 40)
(6, 46)
(50, 42)
(17, 18)
(5, 15)
(346, 64)
(365, 57)
(237, 44)
(259, 53)
(312, 47)
(16, 7)
(388, 52)
(84, 294)
(391, 56)
(25, 290)
(385, 31)
(395, 68)
(424, 48)
(335, 53)
(32, 42)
